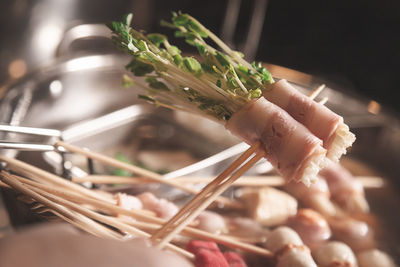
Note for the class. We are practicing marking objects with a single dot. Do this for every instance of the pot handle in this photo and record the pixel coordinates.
(80, 32)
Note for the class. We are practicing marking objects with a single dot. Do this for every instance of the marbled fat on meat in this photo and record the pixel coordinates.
(320, 120)
(295, 152)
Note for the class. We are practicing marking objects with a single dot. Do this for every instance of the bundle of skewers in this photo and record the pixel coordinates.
(297, 135)
(272, 222)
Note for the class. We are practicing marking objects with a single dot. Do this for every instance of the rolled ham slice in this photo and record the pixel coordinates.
(321, 121)
(292, 149)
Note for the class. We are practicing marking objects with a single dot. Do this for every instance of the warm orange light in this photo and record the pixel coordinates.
(17, 68)
(374, 107)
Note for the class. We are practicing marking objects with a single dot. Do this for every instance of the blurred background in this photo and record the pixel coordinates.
(353, 45)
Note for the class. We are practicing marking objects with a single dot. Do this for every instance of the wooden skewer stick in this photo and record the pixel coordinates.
(37, 173)
(167, 233)
(257, 181)
(91, 214)
(323, 101)
(316, 92)
(180, 220)
(199, 234)
(87, 228)
(77, 198)
(140, 171)
(84, 222)
(112, 209)
(207, 190)
(264, 180)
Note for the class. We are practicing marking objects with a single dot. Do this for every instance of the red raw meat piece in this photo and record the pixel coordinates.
(207, 254)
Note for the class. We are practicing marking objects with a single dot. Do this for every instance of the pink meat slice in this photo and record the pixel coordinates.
(128, 202)
(320, 120)
(295, 152)
(160, 206)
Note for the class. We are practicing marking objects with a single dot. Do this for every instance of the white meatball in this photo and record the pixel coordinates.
(211, 222)
(337, 253)
(373, 258)
(299, 257)
(281, 237)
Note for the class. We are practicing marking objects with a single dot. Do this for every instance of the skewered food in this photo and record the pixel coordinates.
(356, 234)
(345, 190)
(211, 222)
(317, 196)
(162, 207)
(283, 243)
(311, 227)
(374, 257)
(289, 139)
(289, 248)
(321, 121)
(269, 206)
(335, 254)
(290, 147)
(226, 88)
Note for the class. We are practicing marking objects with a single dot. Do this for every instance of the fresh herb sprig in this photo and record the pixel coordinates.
(217, 86)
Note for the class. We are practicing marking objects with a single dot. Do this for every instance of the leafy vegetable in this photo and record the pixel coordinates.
(216, 83)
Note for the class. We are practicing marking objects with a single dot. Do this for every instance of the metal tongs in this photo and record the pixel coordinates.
(58, 135)
(21, 146)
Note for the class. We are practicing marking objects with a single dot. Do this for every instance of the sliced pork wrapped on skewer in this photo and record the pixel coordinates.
(227, 89)
(295, 152)
(321, 121)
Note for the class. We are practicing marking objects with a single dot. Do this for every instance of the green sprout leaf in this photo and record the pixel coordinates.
(154, 83)
(192, 65)
(156, 38)
(139, 68)
(216, 82)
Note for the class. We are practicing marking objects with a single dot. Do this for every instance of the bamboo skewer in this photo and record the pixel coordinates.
(208, 189)
(198, 204)
(187, 214)
(37, 173)
(77, 198)
(139, 214)
(316, 92)
(323, 101)
(41, 194)
(165, 234)
(97, 229)
(221, 239)
(137, 170)
(256, 181)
